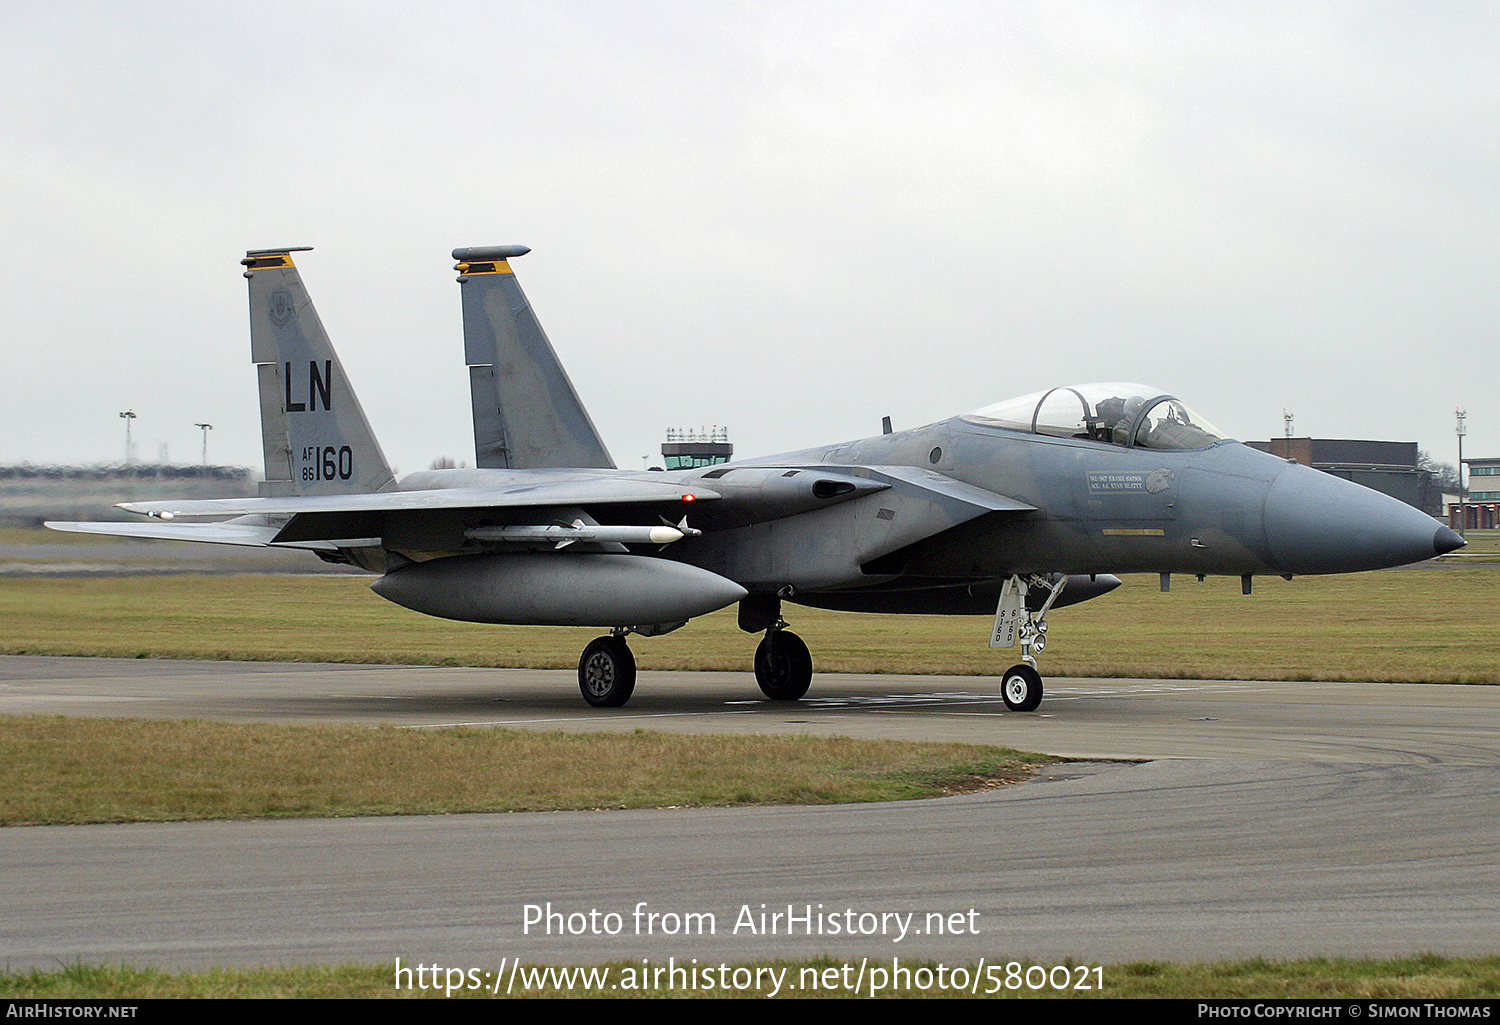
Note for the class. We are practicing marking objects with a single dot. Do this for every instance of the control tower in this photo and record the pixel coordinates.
(686, 449)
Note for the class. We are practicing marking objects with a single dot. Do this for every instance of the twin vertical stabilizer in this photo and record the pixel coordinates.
(316, 438)
(526, 413)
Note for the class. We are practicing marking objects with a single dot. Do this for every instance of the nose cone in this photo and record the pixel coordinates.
(1318, 523)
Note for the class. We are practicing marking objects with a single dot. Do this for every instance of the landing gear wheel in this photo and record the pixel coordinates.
(1021, 687)
(606, 672)
(783, 666)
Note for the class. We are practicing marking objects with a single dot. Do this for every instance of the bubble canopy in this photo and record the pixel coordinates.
(1135, 415)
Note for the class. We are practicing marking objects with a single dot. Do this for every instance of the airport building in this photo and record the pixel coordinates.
(1482, 504)
(30, 494)
(688, 450)
(1389, 467)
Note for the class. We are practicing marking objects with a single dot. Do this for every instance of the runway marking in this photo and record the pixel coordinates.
(941, 702)
(868, 700)
(570, 718)
(20, 697)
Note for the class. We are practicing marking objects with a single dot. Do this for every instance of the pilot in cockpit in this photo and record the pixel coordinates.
(1115, 417)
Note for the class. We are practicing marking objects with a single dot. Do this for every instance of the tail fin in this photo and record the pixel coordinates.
(526, 413)
(316, 438)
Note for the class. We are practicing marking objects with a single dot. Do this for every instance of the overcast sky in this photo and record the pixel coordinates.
(787, 218)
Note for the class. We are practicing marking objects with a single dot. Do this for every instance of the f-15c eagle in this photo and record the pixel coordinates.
(1014, 509)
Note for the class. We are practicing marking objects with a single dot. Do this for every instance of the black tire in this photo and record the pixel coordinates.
(606, 672)
(783, 666)
(1021, 688)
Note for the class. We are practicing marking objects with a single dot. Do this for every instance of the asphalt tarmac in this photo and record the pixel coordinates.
(1211, 820)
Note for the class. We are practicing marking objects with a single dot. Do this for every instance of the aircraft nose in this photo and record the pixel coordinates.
(1318, 523)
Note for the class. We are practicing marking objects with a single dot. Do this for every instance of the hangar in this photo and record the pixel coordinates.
(1390, 467)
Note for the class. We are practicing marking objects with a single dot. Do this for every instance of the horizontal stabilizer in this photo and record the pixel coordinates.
(249, 535)
(216, 533)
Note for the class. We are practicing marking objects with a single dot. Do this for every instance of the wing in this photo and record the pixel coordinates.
(603, 491)
(433, 519)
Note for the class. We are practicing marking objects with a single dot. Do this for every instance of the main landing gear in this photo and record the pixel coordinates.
(783, 665)
(606, 672)
(1021, 686)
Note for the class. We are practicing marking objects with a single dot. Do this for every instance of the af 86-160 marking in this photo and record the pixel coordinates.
(327, 463)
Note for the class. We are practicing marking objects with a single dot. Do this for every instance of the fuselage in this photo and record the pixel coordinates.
(1094, 508)
(1103, 508)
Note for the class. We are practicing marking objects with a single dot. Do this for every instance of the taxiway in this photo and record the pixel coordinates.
(1217, 819)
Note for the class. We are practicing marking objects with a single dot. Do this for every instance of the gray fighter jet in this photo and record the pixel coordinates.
(1012, 510)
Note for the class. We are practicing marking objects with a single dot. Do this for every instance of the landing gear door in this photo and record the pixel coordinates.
(1008, 615)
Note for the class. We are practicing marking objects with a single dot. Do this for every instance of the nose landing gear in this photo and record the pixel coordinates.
(1021, 686)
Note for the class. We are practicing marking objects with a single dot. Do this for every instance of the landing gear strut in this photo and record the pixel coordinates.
(1021, 686)
(783, 665)
(606, 672)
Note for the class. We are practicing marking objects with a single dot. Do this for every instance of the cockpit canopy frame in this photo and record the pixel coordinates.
(1116, 413)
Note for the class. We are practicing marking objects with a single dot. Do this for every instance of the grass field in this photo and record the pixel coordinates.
(1430, 623)
(1424, 977)
(56, 770)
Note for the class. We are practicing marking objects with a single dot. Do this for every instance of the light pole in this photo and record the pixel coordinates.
(128, 416)
(1463, 516)
(205, 428)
